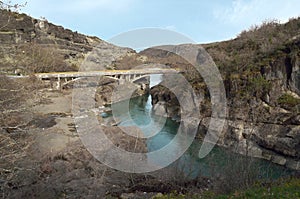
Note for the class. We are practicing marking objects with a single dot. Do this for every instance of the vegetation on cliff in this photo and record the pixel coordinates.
(258, 57)
(260, 69)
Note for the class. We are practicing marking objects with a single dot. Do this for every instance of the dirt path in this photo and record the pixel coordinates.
(56, 138)
(50, 161)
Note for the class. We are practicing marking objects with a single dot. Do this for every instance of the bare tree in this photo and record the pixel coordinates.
(8, 5)
(14, 7)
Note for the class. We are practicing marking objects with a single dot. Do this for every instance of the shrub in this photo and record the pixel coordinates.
(288, 101)
(34, 58)
(260, 84)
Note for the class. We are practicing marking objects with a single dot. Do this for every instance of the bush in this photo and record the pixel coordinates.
(34, 58)
(259, 85)
(288, 101)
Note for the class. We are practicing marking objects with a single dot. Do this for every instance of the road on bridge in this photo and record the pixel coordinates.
(108, 72)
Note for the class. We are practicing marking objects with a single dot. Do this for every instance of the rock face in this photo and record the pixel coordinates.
(260, 69)
(164, 102)
(263, 100)
(286, 67)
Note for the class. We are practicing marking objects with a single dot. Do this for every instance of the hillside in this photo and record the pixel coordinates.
(260, 69)
(261, 74)
(270, 51)
(42, 155)
(35, 45)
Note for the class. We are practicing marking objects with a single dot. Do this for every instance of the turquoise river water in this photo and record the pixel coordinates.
(164, 130)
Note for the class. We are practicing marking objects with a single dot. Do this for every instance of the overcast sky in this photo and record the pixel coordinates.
(203, 21)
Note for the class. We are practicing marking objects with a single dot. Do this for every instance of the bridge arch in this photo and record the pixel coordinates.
(141, 78)
(137, 76)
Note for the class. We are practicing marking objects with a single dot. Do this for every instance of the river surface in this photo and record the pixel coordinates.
(161, 131)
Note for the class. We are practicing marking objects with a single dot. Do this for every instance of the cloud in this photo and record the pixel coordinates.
(171, 27)
(250, 12)
(98, 5)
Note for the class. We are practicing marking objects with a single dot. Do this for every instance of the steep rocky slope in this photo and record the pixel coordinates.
(260, 70)
(35, 45)
(261, 74)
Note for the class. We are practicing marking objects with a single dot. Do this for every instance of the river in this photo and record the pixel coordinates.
(164, 129)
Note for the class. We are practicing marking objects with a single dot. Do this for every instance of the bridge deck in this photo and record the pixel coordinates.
(107, 72)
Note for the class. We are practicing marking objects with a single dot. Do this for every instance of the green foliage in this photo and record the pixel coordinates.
(284, 189)
(288, 101)
(255, 53)
(288, 189)
(254, 86)
(259, 84)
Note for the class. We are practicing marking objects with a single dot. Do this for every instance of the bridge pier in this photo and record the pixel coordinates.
(58, 83)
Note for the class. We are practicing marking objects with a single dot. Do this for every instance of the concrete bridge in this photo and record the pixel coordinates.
(64, 78)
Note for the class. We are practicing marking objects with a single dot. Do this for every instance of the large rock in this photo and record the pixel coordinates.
(160, 109)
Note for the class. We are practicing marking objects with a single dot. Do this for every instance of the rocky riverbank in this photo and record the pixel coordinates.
(43, 157)
(263, 113)
(274, 136)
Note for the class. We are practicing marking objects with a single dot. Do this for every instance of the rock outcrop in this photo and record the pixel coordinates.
(262, 94)
(164, 102)
(260, 69)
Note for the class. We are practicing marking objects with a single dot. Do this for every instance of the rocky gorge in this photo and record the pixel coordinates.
(263, 98)
(45, 157)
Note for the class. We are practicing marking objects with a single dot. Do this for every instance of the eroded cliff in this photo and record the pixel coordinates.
(260, 71)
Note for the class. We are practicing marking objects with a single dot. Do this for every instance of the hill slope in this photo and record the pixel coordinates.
(260, 69)
(261, 74)
(32, 45)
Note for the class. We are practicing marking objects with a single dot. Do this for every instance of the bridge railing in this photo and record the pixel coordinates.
(107, 72)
